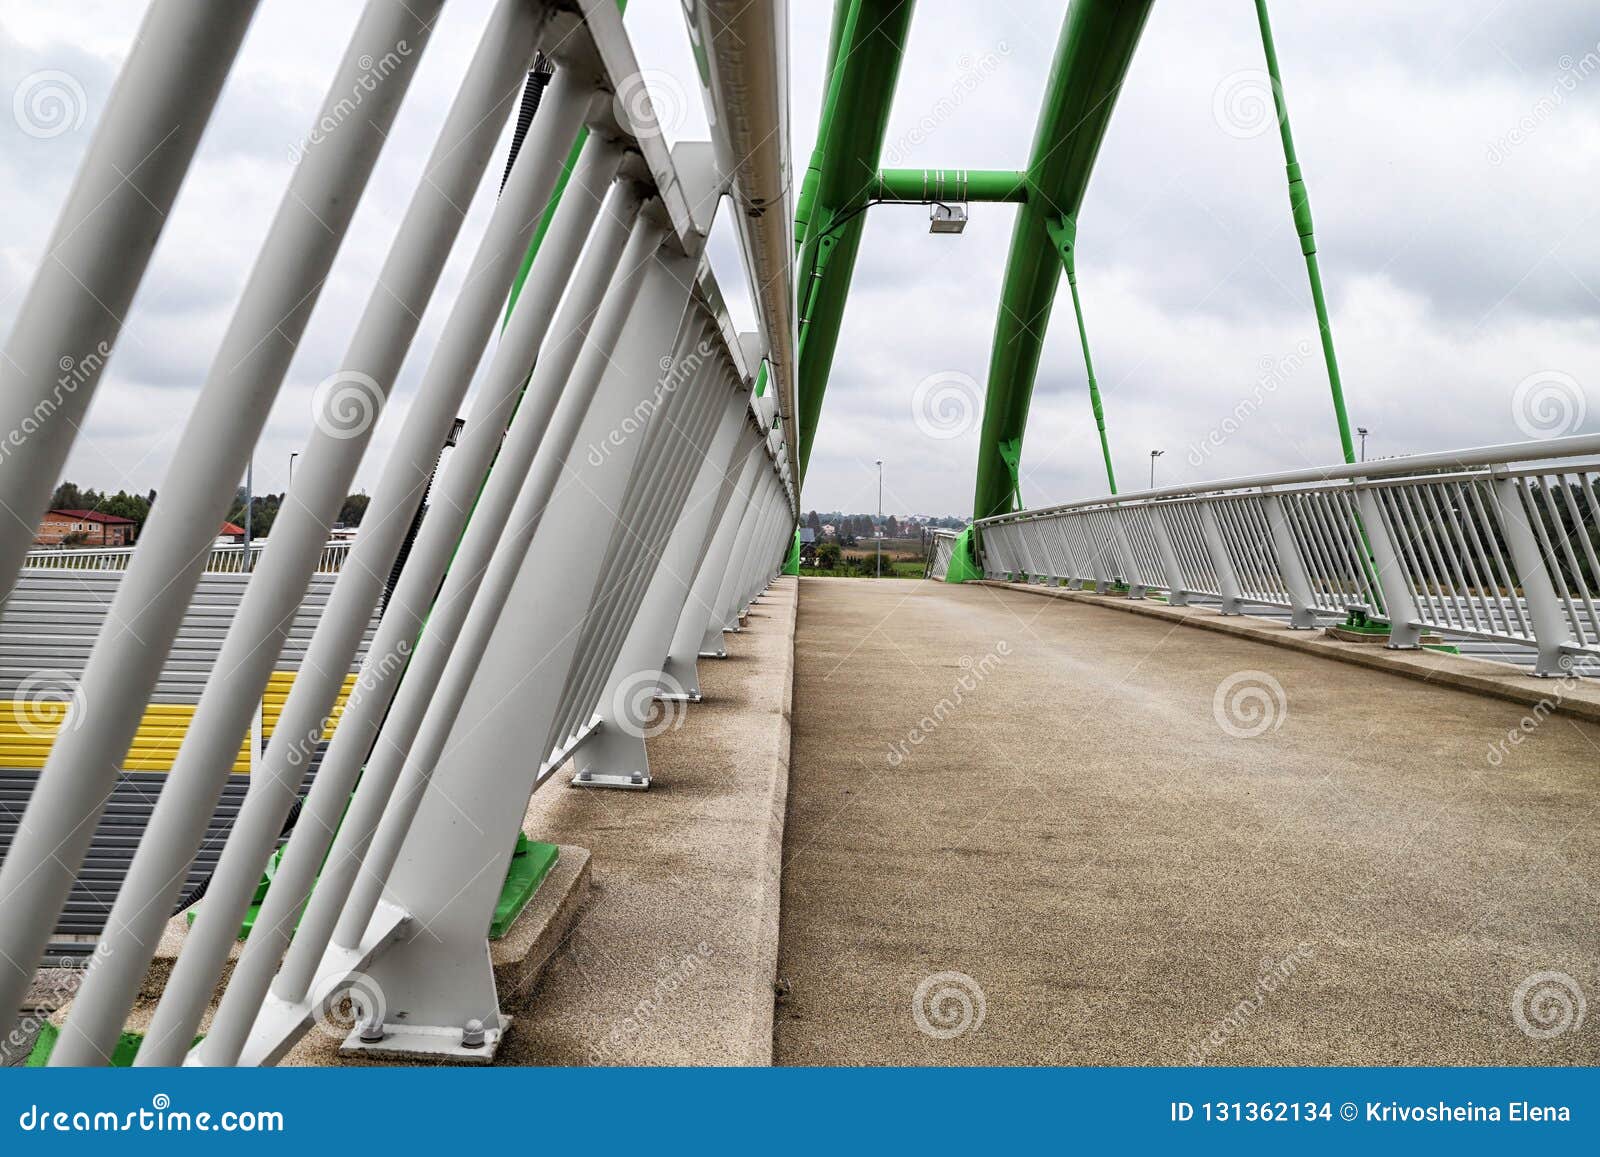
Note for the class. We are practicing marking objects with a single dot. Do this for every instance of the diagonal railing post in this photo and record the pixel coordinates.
(1177, 591)
(255, 638)
(1552, 630)
(241, 385)
(442, 848)
(1136, 588)
(695, 629)
(1290, 565)
(98, 252)
(1399, 604)
(638, 676)
(1221, 561)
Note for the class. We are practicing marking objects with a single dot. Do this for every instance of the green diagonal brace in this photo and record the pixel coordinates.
(1064, 236)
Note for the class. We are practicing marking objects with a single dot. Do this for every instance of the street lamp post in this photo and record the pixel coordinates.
(292, 456)
(879, 535)
(1361, 431)
(1154, 454)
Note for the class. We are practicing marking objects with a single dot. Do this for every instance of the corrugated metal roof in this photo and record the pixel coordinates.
(49, 624)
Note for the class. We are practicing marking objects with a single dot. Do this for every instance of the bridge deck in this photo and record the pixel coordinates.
(1127, 882)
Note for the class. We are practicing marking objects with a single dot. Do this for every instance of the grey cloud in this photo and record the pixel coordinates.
(1451, 276)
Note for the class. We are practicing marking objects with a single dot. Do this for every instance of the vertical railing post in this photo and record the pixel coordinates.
(1290, 565)
(1221, 561)
(1552, 632)
(1177, 592)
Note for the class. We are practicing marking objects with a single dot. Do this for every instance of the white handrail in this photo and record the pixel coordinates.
(1547, 450)
(1497, 542)
(226, 559)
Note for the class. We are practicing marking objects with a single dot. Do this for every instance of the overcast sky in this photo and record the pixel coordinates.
(1452, 151)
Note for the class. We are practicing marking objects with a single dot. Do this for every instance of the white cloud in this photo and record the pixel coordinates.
(1451, 276)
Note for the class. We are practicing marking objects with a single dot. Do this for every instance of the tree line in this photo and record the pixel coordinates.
(263, 507)
(848, 528)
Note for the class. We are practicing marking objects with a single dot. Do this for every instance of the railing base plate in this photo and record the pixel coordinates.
(425, 1043)
(628, 781)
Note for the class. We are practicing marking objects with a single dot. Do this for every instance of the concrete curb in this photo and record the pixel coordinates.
(673, 957)
(769, 901)
(1577, 698)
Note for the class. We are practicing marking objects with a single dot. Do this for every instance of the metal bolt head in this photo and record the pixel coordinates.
(472, 1034)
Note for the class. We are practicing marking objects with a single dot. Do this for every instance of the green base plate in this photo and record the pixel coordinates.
(530, 864)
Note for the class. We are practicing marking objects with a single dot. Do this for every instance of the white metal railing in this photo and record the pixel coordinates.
(941, 549)
(1499, 543)
(226, 559)
(613, 429)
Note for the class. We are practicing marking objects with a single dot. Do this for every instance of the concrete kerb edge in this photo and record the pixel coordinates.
(1432, 667)
(760, 1043)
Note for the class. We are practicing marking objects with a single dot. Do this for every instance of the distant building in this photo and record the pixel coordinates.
(84, 528)
(829, 530)
(230, 532)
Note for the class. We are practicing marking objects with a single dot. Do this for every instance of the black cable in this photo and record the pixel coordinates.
(538, 77)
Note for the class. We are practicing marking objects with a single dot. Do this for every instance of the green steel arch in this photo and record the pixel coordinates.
(1095, 48)
(1096, 45)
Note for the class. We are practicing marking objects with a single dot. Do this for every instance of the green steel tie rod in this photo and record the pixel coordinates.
(1064, 233)
(1300, 204)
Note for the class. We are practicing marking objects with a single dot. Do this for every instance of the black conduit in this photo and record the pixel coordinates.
(538, 77)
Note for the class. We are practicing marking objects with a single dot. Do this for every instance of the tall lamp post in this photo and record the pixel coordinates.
(292, 456)
(1154, 454)
(1361, 431)
(879, 535)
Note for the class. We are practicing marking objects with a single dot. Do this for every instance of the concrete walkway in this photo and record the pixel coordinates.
(1029, 830)
(672, 957)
